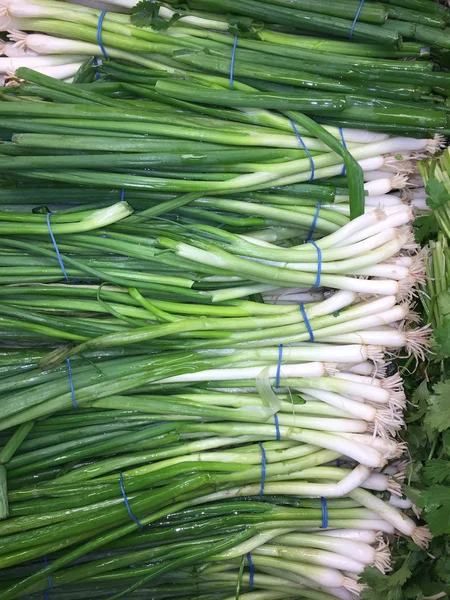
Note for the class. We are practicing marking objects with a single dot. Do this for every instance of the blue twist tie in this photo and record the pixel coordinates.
(252, 570)
(314, 223)
(344, 143)
(307, 323)
(95, 63)
(263, 469)
(122, 195)
(49, 580)
(358, 12)
(324, 514)
(99, 33)
(280, 358)
(277, 427)
(233, 59)
(72, 388)
(319, 265)
(127, 504)
(311, 160)
(58, 254)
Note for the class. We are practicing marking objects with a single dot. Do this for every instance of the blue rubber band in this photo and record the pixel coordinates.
(49, 579)
(72, 388)
(314, 223)
(233, 59)
(338, 463)
(307, 323)
(280, 359)
(95, 63)
(122, 195)
(319, 265)
(58, 254)
(311, 160)
(358, 12)
(344, 143)
(324, 514)
(277, 427)
(263, 469)
(251, 566)
(99, 33)
(127, 504)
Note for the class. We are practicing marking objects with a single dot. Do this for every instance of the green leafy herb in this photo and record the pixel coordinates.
(437, 194)
(436, 503)
(438, 415)
(437, 471)
(146, 14)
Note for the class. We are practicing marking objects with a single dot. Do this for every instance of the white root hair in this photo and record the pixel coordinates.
(393, 382)
(400, 473)
(407, 289)
(388, 421)
(436, 144)
(5, 17)
(383, 557)
(402, 448)
(331, 369)
(352, 586)
(19, 37)
(404, 167)
(397, 396)
(379, 371)
(394, 487)
(398, 182)
(12, 81)
(376, 355)
(409, 244)
(418, 341)
(422, 537)
(412, 317)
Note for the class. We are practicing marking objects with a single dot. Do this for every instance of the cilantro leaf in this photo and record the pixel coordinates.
(385, 587)
(160, 24)
(419, 401)
(412, 493)
(401, 576)
(446, 443)
(442, 337)
(146, 14)
(244, 27)
(377, 584)
(425, 227)
(438, 416)
(436, 503)
(143, 13)
(443, 570)
(437, 194)
(437, 471)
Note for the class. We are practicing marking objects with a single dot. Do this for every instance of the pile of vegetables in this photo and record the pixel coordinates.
(428, 386)
(210, 277)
